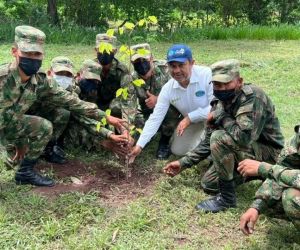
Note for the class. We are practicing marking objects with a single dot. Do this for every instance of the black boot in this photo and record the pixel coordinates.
(225, 199)
(26, 175)
(163, 152)
(54, 153)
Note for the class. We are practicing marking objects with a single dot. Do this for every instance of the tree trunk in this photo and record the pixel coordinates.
(52, 11)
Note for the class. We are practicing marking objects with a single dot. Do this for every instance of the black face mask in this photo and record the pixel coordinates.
(142, 68)
(105, 58)
(225, 95)
(88, 87)
(30, 66)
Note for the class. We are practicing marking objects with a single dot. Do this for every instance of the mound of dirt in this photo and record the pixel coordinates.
(111, 183)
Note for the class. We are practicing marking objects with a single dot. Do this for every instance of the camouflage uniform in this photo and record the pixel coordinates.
(16, 98)
(246, 128)
(282, 181)
(117, 77)
(153, 84)
(59, 117)
(79, 131)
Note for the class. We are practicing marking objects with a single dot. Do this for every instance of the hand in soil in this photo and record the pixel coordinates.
(136, 150)
(173, 168)
(115, 147)
(118, 123)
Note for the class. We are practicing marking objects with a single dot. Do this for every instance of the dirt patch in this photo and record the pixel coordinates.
(111, 183)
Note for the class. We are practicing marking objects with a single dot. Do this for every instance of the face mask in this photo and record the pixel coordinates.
(88, 87)
(105, 58)
(30, 66)
(142, 68)
(63, 81)
(225, 95)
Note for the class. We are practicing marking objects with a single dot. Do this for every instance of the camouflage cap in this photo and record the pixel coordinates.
(225, 71)
(29, 39)
(141, 50)
(91, 70)
(62, 63)
(104, 38)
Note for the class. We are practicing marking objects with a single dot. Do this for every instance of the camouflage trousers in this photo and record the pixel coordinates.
(33, 132)
(291, 205)
(169, 124)
(78, 135)
(226, 155)
(59, 117)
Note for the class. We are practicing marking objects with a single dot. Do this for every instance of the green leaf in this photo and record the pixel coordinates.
(110, 32)
(153, 19)
(98, 127)
(125, 93)
(141, 22)
(123, 48)
(143, 52)
(138, 82)
(139, 130)
(103, 121)
(108, 112)
(119, 92)
(129, 26)
(121, 31)
(105, 47)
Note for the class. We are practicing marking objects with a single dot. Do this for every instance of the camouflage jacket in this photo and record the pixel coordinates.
(117, 77)
(16, 97)
(154, 84)
(285, 174)
(250, 117)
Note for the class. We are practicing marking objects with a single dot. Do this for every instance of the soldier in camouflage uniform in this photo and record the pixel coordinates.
(114, 75)
(242, 124)
(62, 71)
(21, 86)
(282, 184)
(155, 74)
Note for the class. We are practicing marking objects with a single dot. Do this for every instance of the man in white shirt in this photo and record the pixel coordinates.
(190, 92)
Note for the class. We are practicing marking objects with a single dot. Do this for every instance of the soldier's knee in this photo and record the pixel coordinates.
(291, 202)
(65, 114)
(218, 137)
(46, 127)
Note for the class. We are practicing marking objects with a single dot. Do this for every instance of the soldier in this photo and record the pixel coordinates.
(282, 183)
(188, 91)
(80, 133)
(155, 74)
(242, 124)
(22, 85)
(114, 75)
(62, 71)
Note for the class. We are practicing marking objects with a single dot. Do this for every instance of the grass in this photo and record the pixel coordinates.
(165, 218)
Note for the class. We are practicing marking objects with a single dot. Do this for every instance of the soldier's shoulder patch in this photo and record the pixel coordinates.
(247, 89)
(4, 69)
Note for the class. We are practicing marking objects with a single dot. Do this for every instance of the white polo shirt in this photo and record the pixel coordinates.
(193, 101)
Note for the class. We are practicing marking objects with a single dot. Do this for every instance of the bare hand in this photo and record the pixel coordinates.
(248, 221)
(134, 153)
(248, 167)
(118, 123)
(115, 147)
(20, 153)
(173, 168)
(120, 139)
(183, 125)
(151, 100)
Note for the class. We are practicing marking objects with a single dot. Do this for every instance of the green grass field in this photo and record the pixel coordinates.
(158, 214)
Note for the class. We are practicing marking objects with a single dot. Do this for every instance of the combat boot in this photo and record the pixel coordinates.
(225, 199)
(26, 175)
(163, 151)
(54, 153)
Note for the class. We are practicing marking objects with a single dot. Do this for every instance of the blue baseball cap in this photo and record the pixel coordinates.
(179, 53)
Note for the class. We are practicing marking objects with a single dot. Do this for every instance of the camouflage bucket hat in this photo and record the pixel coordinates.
(104, 38)
(91, 70)
(62, 63)
(29, 39)
(141, 51)
(225, 71)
